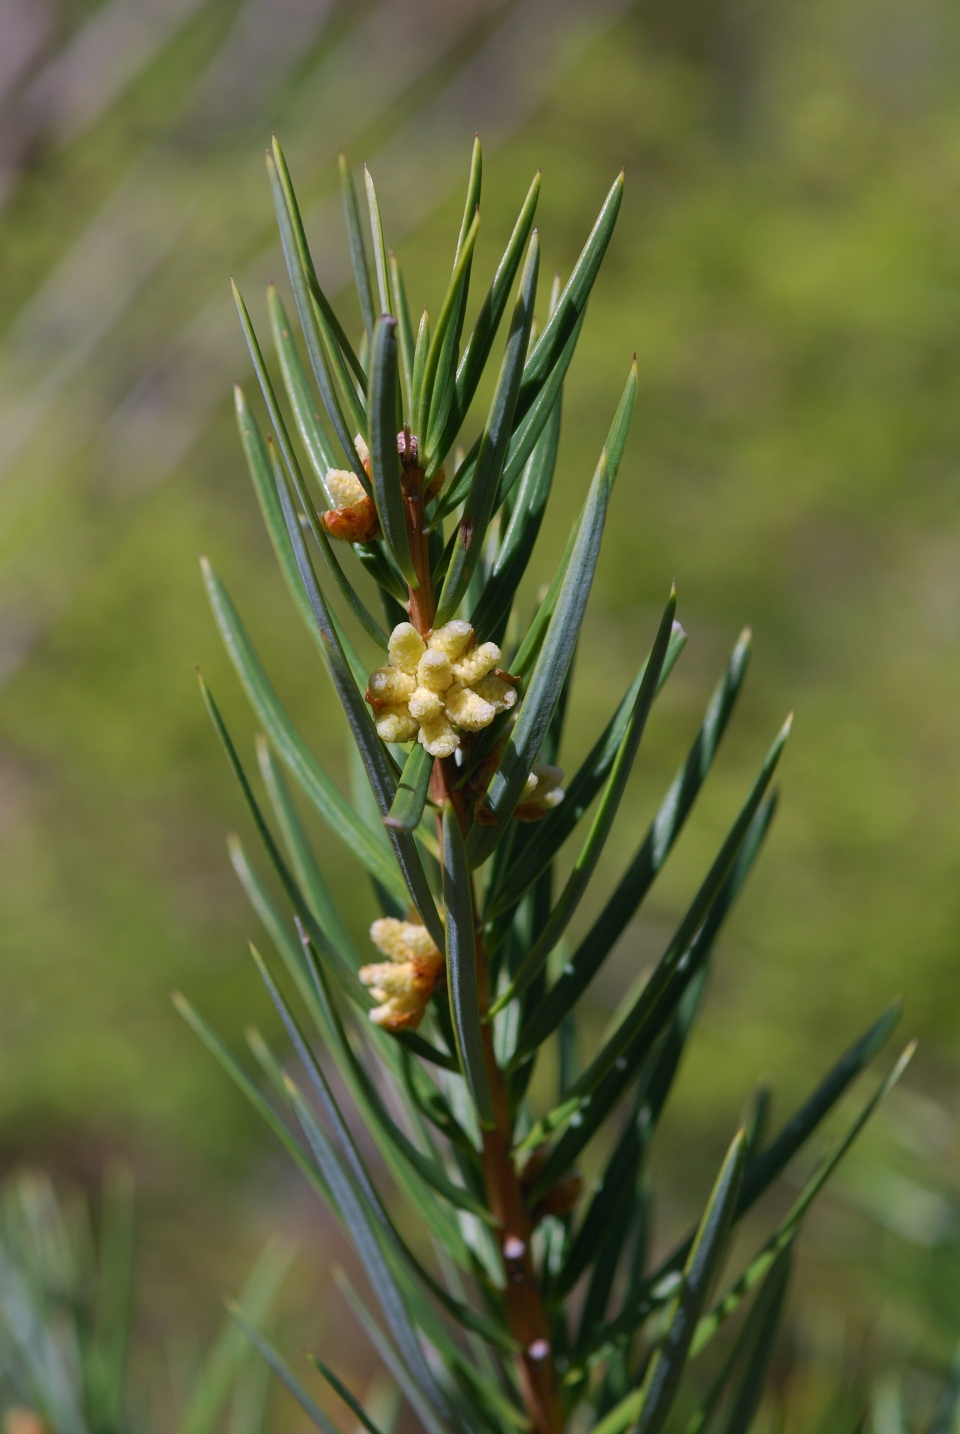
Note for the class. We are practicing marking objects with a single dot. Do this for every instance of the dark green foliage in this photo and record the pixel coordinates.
(656, 1395)
(487, 472)
(583, 868)
(474, 867)
(462, 962)
(407, 810)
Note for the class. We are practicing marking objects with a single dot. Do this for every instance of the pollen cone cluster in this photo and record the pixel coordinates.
(353, 517)
(430, 688)
(403, 984)
(541, 794)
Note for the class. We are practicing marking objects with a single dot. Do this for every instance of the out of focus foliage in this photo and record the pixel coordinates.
(67, 1293)
(790, 251)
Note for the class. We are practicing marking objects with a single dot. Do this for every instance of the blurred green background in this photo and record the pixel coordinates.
(787, 268)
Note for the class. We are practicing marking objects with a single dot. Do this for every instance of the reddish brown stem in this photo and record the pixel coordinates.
(526, 1316)
(421, 605)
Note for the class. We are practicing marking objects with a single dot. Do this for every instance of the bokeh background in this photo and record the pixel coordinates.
(787, 268)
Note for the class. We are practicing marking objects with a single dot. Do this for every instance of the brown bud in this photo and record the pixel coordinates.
(358, 523)
(534, 1165)
(560, 1198)
(530, 812)
(408, 447)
